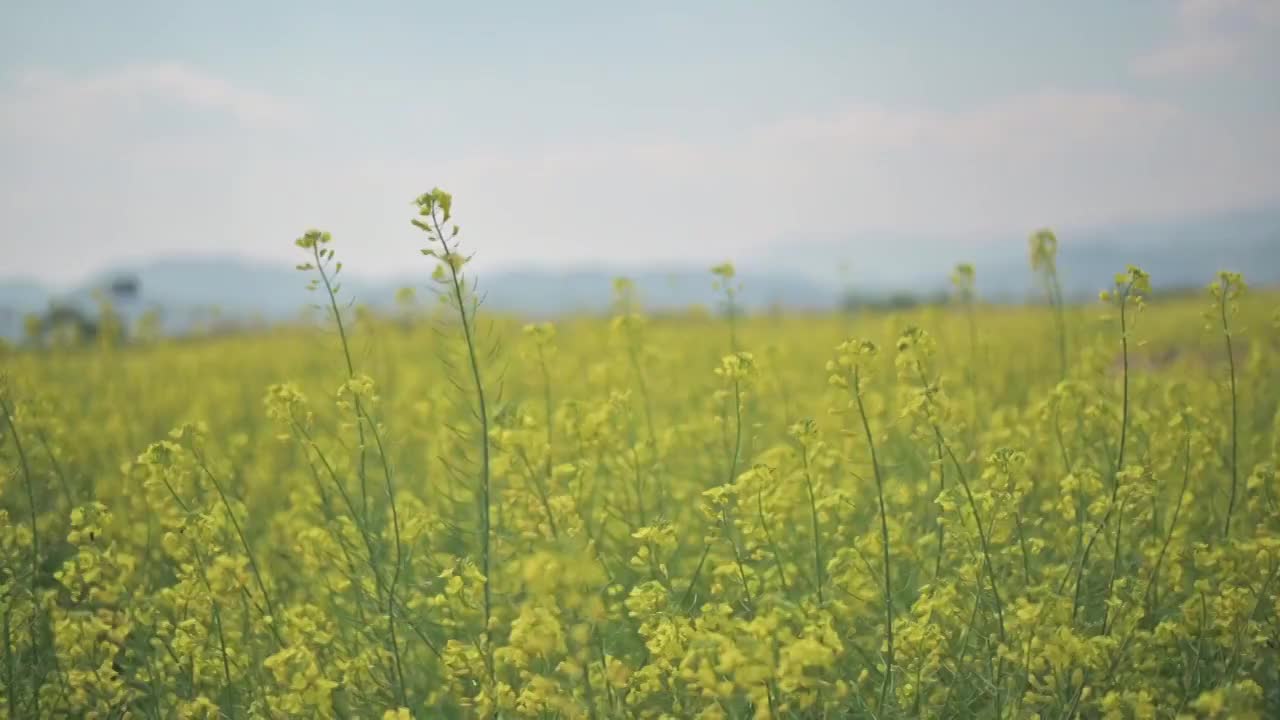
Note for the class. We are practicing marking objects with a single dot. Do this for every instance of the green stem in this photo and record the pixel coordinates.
(773, 546)
(813, 519)
(244, 542)
(28, 483)
(363, 518)
(737, 431)
(968, 492)
(395, 576)
(1152, 590)
(1231, 362)
(884, 538)
(1124, 433)
(351, 373)
(10, 687)
(473, 358)
(1060, 314)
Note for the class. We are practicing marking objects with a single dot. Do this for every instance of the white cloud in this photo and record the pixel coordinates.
(1056, 157)
(1214, 36)
(49, 103)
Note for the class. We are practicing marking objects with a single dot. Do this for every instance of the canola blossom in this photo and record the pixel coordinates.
(974, 511)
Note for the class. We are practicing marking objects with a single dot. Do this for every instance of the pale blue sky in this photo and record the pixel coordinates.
(586, 132)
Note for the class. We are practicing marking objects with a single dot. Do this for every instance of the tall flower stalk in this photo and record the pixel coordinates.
(963, 279)
(1226, 291)
(848, 369)
(1044, 263)
(1128, 296)
(356, 394)
(435, 211)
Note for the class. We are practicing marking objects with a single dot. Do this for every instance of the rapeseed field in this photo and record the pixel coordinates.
(1052, 511)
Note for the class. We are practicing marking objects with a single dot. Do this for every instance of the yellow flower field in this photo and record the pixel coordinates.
(964, 511)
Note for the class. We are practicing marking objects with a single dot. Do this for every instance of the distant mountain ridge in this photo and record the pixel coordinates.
(195, 288)
(1176, 254)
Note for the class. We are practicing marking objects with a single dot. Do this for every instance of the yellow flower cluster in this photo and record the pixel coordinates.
(442, 514)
